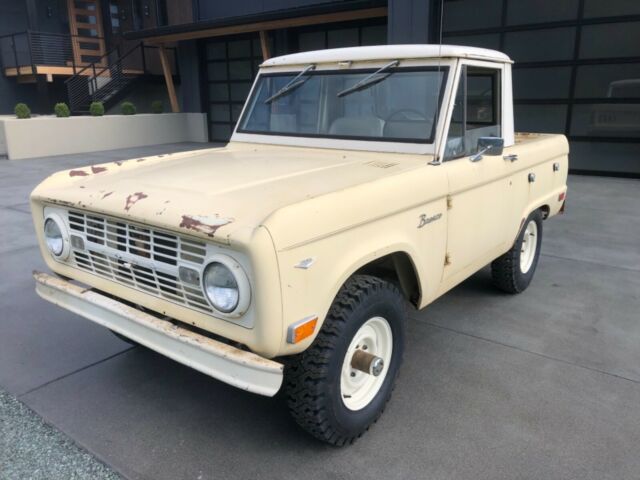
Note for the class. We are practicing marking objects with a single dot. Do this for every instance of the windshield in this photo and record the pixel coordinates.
(389, 104)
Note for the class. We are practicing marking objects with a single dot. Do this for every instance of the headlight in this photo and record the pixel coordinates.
(55, 237)
(226, 285)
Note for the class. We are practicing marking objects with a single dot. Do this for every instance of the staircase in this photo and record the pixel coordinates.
(106, 80)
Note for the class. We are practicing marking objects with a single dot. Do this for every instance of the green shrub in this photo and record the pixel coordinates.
(61, 110)
(22, 111)
(157, 106)
(128, 108)
(96, 109)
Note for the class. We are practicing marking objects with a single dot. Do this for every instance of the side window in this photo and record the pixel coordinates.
(476, 111)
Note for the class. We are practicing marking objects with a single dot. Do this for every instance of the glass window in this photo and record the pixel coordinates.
(218, 92)
(240, 70)
(375, 35)
(534, 11)
(345, 37)
(476, 111)
(239, 91)
(536, 83)
(239, 49)
(162, 13)
(114, 18)
(608, 81)
(611, 8)
(398, 105)
(217, 71)
(610, 40)
(471, 14)
(219, 112)
(219, 132)
(491, 40)
(216, 51)
(308, 41)
(540, 45)
(540, 118)
(236, 110)
(606, 120)
(608, 157)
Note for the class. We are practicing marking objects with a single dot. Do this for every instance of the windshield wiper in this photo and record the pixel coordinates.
(369, 79)
(292, 85)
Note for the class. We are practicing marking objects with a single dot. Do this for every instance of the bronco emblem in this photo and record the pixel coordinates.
(424, 220)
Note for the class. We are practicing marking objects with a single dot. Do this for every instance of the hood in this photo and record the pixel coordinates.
(216, 192)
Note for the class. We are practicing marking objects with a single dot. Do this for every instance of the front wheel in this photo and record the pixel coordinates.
(513, 271)
(340, 385)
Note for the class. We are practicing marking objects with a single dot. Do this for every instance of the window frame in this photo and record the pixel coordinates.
(351, 143)
(338, 71)
(500, 97)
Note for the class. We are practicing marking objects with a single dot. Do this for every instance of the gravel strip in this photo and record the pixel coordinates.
(32, 450)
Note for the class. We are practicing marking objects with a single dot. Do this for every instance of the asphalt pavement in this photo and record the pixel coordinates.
(542, 385)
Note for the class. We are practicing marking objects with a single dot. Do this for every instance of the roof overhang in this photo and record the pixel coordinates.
(295, 17)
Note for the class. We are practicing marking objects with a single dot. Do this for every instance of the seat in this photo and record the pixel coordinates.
(369, 126)
(418, 129)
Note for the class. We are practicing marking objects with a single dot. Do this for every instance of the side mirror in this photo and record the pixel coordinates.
(488, 146)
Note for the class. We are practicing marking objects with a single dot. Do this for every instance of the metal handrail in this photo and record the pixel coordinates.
(39, 48)
(102, 80)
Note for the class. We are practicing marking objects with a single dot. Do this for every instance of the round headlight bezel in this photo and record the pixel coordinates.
(241, 279)
(64, 234)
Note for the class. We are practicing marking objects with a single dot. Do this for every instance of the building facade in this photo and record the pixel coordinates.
(576, 71)
(74, 51)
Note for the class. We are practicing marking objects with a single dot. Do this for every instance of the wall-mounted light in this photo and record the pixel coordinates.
(146, 10)
(49, 12)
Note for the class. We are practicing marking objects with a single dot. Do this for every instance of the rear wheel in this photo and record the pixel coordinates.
(513, 271)
(340, 385)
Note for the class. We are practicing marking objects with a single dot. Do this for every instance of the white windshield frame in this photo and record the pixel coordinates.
(353, 144)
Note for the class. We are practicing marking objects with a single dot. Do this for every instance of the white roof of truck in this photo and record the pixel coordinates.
(387, 52)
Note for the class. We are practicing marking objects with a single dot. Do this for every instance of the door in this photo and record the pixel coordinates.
(478, 191)
(85, 26)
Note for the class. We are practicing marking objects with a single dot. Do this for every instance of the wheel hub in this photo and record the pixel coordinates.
(529, 246)
(366, 363)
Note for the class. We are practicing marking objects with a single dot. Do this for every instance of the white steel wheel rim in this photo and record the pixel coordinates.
(528, 247)
(358, 389)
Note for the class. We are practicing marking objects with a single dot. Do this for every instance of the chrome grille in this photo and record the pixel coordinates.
(137, 256)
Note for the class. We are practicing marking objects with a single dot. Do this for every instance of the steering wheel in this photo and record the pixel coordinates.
(409, 110)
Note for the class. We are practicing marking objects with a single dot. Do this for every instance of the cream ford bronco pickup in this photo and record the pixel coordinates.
(356, 182)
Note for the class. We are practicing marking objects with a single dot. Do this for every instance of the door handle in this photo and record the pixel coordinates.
(512, 157)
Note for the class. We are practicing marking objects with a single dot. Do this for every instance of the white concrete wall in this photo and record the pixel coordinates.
(3, 142)
(45, 136)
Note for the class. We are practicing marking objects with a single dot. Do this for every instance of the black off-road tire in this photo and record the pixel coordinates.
(505, 270)
(312, 378)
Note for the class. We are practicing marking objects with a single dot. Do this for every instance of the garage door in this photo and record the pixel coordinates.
(232, 63)
(231, 67)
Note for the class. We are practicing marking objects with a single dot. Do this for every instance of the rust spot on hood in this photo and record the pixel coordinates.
(202, 224)
(106, 195)
(78, 173)
(98, 169)
(133, 199)
(118, 162)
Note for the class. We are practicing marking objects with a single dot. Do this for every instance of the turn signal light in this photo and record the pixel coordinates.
(302, 329)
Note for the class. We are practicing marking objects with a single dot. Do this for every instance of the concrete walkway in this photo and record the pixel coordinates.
(543, 385)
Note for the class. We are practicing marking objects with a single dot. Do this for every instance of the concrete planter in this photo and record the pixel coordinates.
(48, 135)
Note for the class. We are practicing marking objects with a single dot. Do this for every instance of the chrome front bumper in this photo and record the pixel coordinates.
(231, 365)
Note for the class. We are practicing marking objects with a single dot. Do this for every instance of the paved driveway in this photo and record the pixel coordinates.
(544, 385)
